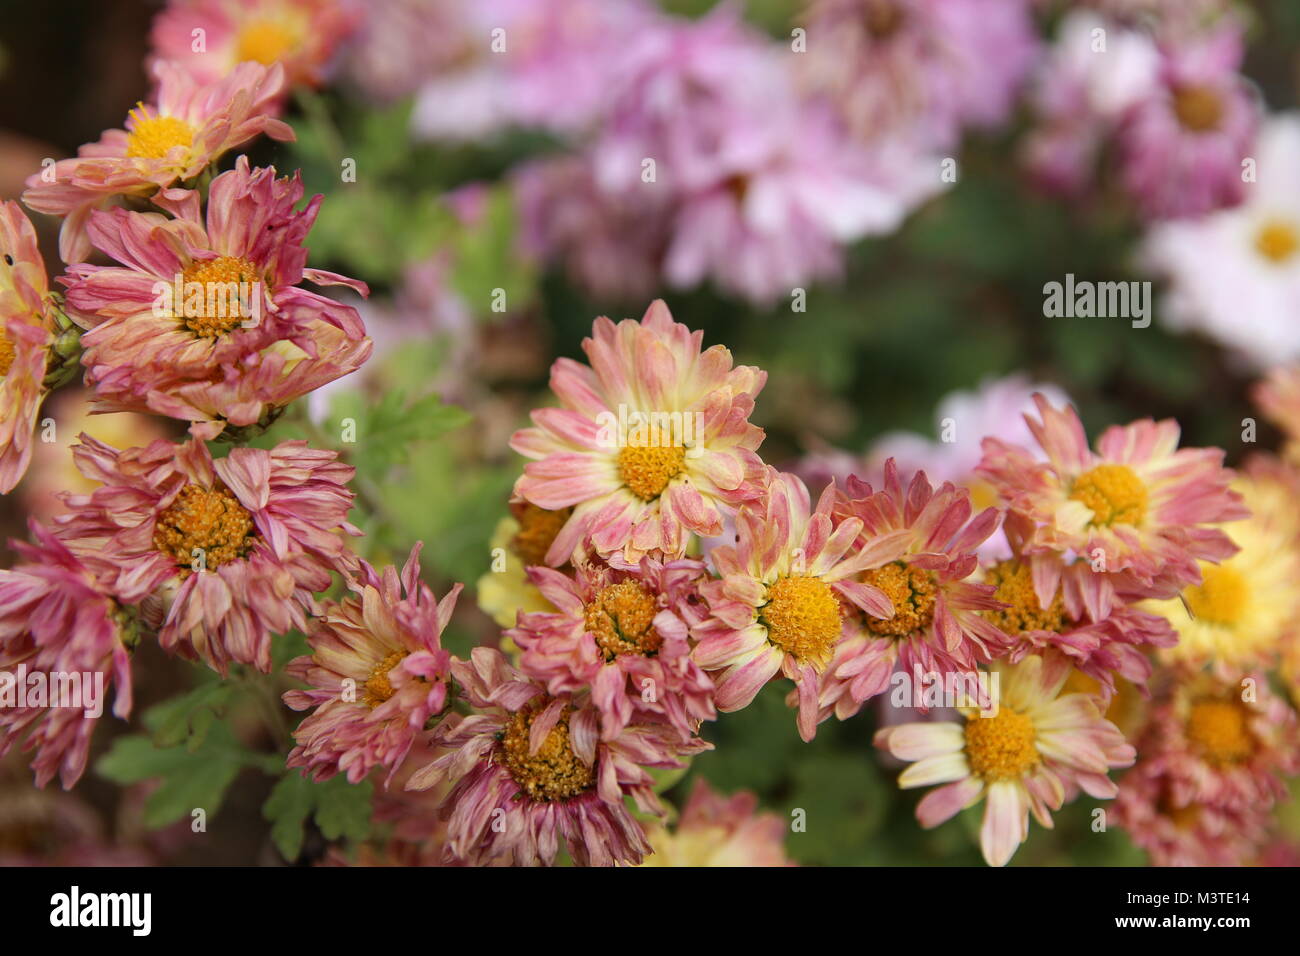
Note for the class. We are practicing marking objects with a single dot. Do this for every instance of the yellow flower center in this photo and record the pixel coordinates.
(1198, 108)
(1015, 584)
(1220, 729)
(6, 353)
(222, 281)
(1115, 494)
(803, 618)
(210, 520)
(154, 136)
(1001, 747)
(1277, 241)
(554, 772)
(647, 471)
(378, 688)
(1220, 598)
(912, 592)
(266, 41)
(537, 530)
(621, 617)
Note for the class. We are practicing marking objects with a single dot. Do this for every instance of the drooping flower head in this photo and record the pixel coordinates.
(377, 674)
(225, 553)
(169, 142)
(1020, 756)
(651, 443)
(714, 830)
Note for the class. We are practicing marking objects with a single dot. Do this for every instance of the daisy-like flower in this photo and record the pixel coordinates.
(1138, 504)
(783, 594)
(529, 771)
(1020, 757)
(59, 622)
(25, 341)
(299, 35)
(651, 443)
(377, 674)
(714, 830)
(225, 553)
(187, 128)
(931, 621)
(520, 541)
(205, 319)
(620, 632)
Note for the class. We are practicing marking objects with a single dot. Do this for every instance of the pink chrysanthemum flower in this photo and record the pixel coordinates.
(529, 770)
(377, 674)
(226, 553)
(170, 142)
(25, 340)
(651, 443)
(784, 594)
(58, 617)
(619, 631)
(300, 35)
(932, 621)
(234, 336)
(714, 830)
(1137, 505)
(1021, 756)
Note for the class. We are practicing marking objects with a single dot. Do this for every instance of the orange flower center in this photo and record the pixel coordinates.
(1115, 494)
(1198, 108)
(6, 353)
(554, 772)
(803, 618)
(1001, 747)
(1220, 598)
(537, 530)
(265, 41)
(1015, 584)
(1220, 730)
(221, 282)
(1277, 241)
(621, 617)
(210, 521)
(378, 688)
(912, 592)
(647, 471)
(154, 136)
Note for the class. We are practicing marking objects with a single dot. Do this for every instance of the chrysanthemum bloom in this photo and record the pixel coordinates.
(714, 830)
(227, 552)
(520, 541)
(170, 142)
(205, 320)
(931, 622)
(1138, 504)
(61, 628)
(377, 674)
(1020, 757)
(784, 594)
(529, 771)
(651, 443)
(300, 35)
(1181, 149)
(621, 633)
(25, 340)
(1243, 260)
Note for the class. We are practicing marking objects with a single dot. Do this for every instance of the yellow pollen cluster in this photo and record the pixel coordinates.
(912, 592)
(1277, 241)
(222, 280)
(647, 471)
(266, 41)
(1015, 584)
(6, 353)
(154, 136)
(1219, 728)
(1198, 108)
(621, 616)
(1220, 598)
(209, 519)
(1001, 747)
(378, 688)
(803, 617)
(537, 530)
(554, 772)
(1115, 494)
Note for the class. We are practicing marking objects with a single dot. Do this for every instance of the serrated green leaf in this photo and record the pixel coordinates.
(340, 809)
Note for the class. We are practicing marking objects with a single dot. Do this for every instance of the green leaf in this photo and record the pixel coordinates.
(186, 720)
(340, 809)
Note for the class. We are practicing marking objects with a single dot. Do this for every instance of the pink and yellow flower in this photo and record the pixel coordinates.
(223, 553)
(650, 444)
(377, 674)
(1020, 757)
(188, 127)
(714, 830)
